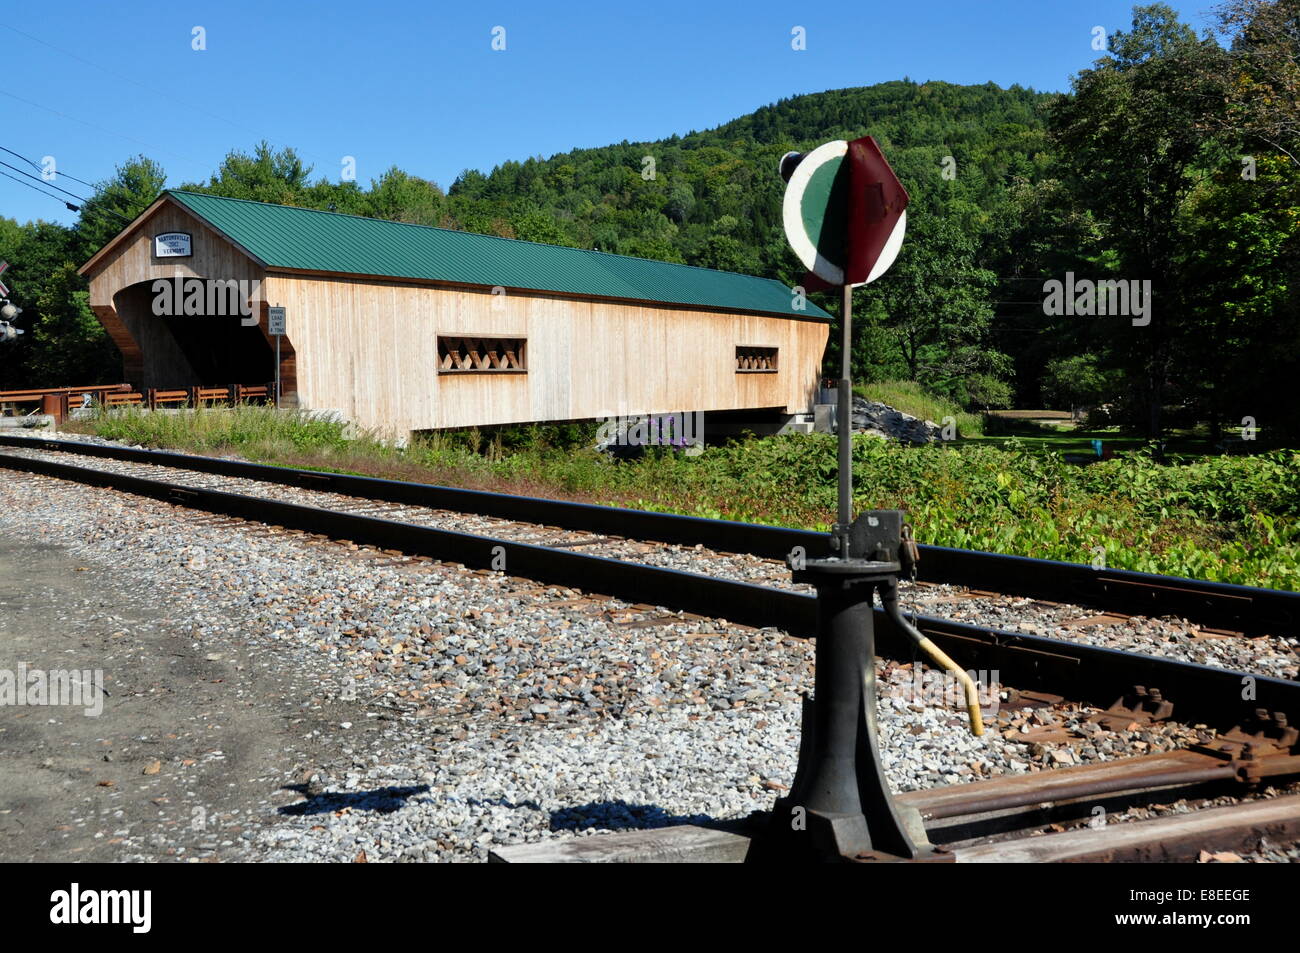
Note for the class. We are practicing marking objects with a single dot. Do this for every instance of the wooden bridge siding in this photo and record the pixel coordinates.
(368, 348)
(162, 363)
(133, 261)
(150, 355)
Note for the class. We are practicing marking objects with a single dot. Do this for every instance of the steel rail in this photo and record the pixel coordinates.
(1084, 673)
(1214, 604)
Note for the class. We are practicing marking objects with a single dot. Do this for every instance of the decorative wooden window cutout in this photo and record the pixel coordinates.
(756, 360)
(482, 355)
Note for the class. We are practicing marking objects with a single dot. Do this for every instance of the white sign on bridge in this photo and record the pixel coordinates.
(172, 245)
(275, 321)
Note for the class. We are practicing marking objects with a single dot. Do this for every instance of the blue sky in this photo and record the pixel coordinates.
(419, 86)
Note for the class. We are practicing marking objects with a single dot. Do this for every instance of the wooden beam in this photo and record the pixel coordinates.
(1179, 837)
(687, 844)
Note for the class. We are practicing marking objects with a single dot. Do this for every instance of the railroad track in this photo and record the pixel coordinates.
(1087, 673)
(1160, 808)
(981, 817)
(755, 552)
(601, 530)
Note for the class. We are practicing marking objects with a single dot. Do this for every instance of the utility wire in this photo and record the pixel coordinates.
(84, 201)
(151, 89)
(46, 182)
(70, 206)
(67, 204)
(106, 131)
(41, 170)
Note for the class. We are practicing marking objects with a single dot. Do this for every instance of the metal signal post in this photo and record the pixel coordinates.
(275, 326)
(844, 417)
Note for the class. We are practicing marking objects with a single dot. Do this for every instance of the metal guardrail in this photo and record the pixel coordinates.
(1083, 673)
(1213, 604)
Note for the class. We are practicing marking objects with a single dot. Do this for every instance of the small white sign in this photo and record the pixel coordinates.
(172, 245)
(275, 321)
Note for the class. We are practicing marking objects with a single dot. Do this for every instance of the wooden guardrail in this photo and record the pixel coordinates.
(59, 401)
(35, 394)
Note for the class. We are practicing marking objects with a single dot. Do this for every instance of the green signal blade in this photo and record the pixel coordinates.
(824, 209)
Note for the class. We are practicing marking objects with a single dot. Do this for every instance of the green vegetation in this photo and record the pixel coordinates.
(255, 431)
(1073, 442)
(1175, 159)
(1233, 519)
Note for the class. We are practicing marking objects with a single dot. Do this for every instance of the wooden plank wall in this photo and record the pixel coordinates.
(369, 349)
(121, 295)
(134, 261)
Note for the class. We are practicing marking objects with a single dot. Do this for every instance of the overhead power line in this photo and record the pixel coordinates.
(70, 206)
(42, 170)
(103, 129)
(48, 184)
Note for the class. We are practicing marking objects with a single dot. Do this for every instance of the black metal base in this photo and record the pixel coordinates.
(840, 808)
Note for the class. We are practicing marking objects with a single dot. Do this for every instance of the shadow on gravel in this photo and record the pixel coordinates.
(381, 800)
(621, 816)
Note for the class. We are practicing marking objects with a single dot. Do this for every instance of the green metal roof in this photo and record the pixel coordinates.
(286, 237)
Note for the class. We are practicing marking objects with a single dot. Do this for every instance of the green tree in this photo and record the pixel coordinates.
(70, 345)
(1076, 380)
(1262, 73)
(267, 175)
(116, 203)
(1130, 135)
(935, 304)
(404, 198)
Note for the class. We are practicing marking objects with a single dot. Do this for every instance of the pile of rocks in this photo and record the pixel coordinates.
(881, 420)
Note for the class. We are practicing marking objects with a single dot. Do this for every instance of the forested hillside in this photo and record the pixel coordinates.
(708, 198)
(1173, 160)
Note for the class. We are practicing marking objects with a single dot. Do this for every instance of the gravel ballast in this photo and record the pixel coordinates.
(1170, 637)
(443, 712)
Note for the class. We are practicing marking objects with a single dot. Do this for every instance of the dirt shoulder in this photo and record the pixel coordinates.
(189, 740)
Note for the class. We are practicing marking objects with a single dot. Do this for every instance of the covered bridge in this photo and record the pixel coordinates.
(406, 327)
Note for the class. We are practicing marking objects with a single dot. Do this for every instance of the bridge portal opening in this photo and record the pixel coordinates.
(212, 348)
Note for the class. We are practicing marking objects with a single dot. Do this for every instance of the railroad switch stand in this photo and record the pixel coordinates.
(840, 808)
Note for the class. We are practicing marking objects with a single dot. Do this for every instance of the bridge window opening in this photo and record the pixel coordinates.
(756, 360)
(482, 355)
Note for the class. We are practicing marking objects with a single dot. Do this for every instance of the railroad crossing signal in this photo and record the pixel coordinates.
(8, 312)
(845, 211)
